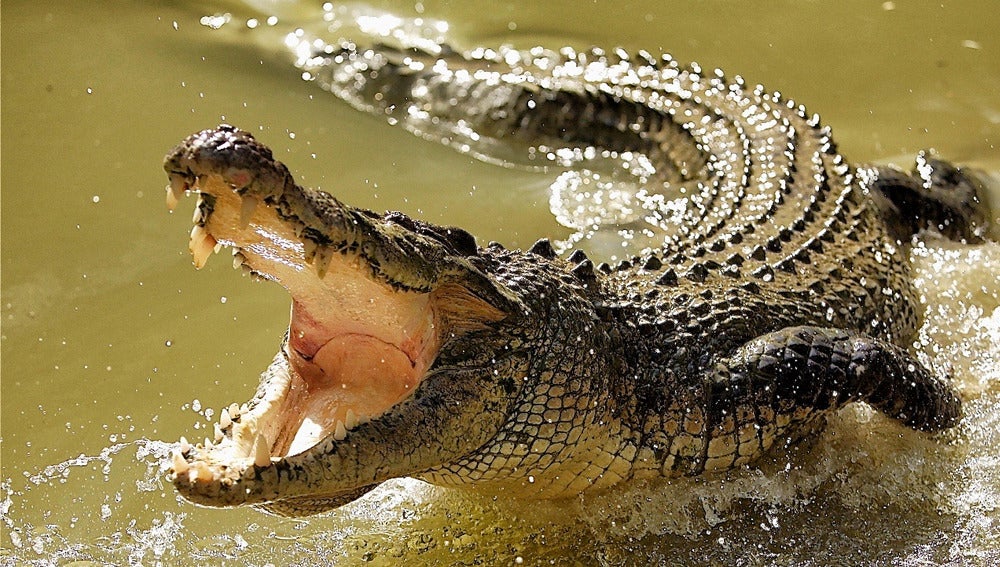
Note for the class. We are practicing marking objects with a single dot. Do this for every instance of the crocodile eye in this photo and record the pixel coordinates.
(463, 242)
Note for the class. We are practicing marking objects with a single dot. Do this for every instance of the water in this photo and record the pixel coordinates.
(111, 342)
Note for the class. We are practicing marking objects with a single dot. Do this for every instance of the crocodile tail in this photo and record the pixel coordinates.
(936, 195)
(499, 105)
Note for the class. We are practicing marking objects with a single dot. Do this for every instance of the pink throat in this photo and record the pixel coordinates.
(342, 366)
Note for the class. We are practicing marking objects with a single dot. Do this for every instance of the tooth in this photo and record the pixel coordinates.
(200, 471)
(247, 207)
(171, 199)
(198, 216)
(322, 260)
(218, 432)
(201, 256)
(180, 466)
(261, 452)
(198, 234)
(178, 184)
(239, 259)
(340, 432)
(185, 447)
(208, 444)
(308, 249)
(351, 419)
(201, 245)
(234, 410)
(244, 408)
(224, 419)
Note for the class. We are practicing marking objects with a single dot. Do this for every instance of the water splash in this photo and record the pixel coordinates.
(47, 537)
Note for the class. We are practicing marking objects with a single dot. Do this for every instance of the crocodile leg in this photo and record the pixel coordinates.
(775, 385)
(936, 195)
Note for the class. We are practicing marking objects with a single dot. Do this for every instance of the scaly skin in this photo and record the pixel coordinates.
(783, 295)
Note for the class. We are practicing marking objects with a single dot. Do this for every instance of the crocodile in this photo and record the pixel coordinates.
(779, 293)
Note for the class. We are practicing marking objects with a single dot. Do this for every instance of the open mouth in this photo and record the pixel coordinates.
(365, 374)
(357, 345)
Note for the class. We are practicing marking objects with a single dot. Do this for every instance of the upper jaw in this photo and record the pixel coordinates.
(393, 247)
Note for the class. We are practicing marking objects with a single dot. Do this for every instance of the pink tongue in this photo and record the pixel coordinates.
(355, 349)
(355, 373)
(349, 357)
(367, 374)
(343, 367)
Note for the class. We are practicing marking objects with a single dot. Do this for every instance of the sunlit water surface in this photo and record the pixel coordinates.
(111, 343)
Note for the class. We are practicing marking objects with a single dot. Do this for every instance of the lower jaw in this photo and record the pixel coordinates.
(295, 407)
(259, 423)
(285, 417)
(242, 440)
(238, 468)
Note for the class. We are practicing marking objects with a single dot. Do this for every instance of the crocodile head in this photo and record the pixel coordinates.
(377, 358)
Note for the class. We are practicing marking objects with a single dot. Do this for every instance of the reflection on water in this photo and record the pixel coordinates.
(109, 340)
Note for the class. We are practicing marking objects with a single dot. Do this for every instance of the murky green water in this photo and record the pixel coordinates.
(111, 341)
